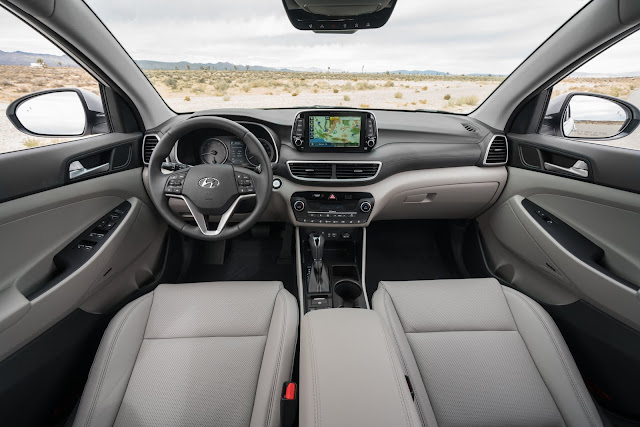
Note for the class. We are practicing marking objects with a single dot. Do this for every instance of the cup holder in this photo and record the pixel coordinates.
(347, 289)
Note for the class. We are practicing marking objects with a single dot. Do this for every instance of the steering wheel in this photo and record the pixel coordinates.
(210, 189)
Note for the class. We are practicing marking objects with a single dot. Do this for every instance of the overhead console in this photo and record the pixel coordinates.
(334, 131)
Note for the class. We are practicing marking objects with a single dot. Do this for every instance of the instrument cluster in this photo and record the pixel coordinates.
(214, 146)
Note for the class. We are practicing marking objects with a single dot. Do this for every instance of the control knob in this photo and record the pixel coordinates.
(370, 142)
(365, 207)
(298, 205)
(297, 141)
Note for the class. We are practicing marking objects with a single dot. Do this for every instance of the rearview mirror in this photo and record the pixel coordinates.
(337, 16)
(58, 113)
(591, 116)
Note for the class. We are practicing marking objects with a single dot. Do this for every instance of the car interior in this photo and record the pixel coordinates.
(319, 264)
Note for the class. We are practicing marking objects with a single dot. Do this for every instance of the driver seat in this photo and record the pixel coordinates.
(193, 355)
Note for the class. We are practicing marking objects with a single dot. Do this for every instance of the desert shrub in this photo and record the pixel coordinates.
(365, 86)
(397, 95)
(447, 97)
(31, 143)
(187, 98)
(335, 90)
(346, 98)
(227, 98)
(389, 83)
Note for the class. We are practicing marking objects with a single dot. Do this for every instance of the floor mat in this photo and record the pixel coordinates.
(408, 250)
(249, 257)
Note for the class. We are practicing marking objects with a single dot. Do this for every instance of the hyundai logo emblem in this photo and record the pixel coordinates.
(209, 183)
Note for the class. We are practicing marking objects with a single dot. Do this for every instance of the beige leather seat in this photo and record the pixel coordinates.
(197, 354)
(480, 354)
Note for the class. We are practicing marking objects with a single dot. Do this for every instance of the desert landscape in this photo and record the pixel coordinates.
(188, 90)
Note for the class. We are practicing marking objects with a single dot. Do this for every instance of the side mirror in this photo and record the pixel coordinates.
(64, 112)
(590, 116)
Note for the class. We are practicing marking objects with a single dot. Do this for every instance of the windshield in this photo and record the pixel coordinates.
(433, 55)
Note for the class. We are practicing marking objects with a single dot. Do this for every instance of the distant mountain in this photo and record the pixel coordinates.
(421, 72)
(26, 58)
(182, 65)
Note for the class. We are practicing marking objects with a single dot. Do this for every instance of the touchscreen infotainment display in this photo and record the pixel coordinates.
(334, 131)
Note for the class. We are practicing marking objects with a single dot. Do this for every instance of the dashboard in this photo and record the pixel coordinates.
(389, 165)
(214, 146)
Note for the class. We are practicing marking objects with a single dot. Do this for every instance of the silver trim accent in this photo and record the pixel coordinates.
(246, 153)
(486, 154)
(77, 173)
(346, 110)
(364, 267)
(377, 162)
(202, 221)
(301, 299)
(580, 168)
(271, 134)
(144, 139)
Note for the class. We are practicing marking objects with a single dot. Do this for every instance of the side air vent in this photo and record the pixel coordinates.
(148, 144)
(470, 128)
(313, 171)
(356, 170)
(497, 152)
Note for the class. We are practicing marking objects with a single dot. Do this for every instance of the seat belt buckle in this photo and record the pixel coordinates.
(289, 404)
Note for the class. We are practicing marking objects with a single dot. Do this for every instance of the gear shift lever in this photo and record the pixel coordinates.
(317, 248)
(319, 278)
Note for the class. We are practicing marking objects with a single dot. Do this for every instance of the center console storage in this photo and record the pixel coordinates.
(349, 373)
(331, 264)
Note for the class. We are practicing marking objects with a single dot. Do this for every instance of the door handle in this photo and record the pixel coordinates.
(580, 168)
(76, 170)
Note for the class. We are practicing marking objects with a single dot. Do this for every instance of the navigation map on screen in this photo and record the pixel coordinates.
(334, 131)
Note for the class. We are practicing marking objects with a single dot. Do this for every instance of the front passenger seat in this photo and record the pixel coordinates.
(197, 354)
(481, 354)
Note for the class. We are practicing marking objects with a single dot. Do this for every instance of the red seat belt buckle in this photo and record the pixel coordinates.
(289, 405)
(290, 392)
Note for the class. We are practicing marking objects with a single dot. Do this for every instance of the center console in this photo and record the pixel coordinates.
(331, 263)
(348, 375)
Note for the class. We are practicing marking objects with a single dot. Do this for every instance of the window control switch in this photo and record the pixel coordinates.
(86, 245)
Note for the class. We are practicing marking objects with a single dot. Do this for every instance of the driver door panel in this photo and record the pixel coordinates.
(46, 275)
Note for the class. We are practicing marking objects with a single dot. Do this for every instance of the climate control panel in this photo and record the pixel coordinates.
(332, 208)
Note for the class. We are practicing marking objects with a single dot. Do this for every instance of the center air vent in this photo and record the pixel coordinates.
(148, 144)
(334, 171)
(307, 170)
(356, 170)
(497, 152)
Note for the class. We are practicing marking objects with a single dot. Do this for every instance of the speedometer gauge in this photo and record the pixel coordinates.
(213, 151)
(253, 159)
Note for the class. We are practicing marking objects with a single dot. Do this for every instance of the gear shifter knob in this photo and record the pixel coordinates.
(316, 242)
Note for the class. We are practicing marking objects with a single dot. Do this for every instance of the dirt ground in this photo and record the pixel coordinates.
(193, 90)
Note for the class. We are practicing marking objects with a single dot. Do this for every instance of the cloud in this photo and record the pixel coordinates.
(456, 36)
